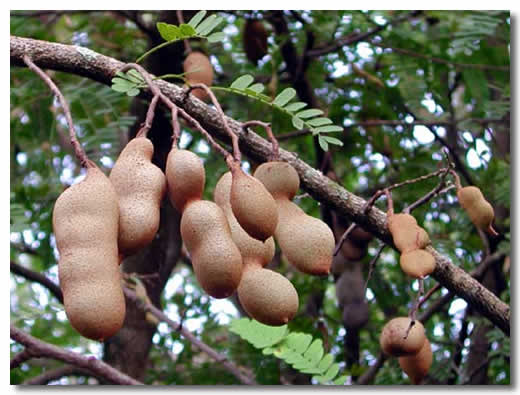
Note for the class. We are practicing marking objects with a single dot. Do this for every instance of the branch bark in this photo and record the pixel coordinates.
(87, 63)
(42, 349)
(39, 278)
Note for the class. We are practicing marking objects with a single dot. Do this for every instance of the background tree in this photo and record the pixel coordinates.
(403, 84)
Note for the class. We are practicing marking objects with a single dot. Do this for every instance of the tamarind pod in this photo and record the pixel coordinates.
(417, 263)
(479, 210)
(185, 177)
(394, 340)
(252, 205)
(266, 295)
(198, 69)
(307, 242)
(85, 223)
(250, 248)
(216, 260)
(417, 366)
(140, 186)
(254, 39)
(406, 233)
(355, 315)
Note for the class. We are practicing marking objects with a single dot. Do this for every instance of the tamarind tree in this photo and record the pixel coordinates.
(377, 111)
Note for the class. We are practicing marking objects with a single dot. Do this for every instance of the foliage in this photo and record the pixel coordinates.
(295, 348)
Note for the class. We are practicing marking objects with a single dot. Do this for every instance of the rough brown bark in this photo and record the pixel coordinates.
(102, 68)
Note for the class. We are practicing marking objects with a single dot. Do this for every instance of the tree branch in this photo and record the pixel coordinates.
(101, 68)
(58, 373)
(42, 349)
(39, 278)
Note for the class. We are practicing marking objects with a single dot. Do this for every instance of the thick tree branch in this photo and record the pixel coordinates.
(42, 349)
(101, 68)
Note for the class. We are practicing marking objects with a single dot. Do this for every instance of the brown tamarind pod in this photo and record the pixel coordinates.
(353, 251)
(254, 39)
(140, 186)
(307, 242)
(417, 263)
(85, 222)
(355, 315)
(216, 260)
(265, 295)
(350, 287)
(250, 248)
(478, 208)
(252, 205)
(406, 233)
(398, 340)
(198, 69)
(360, 236)
(185, 177)
(417, 366)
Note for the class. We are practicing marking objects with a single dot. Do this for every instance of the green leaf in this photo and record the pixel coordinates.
(341, 380)
(309, 113)
(297, 123)
(167, 31)
(332, 372)
(325, 363)
(268, 351)
(297, 341)
(133, 92)
(135, 76)
(257, 88)
(242, 82)
(120, 81)
(329, 129)
(323, 144)
(259, 335)
(197, 18)
(315, 352)
(187, 30)
(284, 97)
(319, 121)
(296, 106)
(121, 88)
(216, 37)
(208, 25)
(207, 22)
(332, 140)
(311, 370)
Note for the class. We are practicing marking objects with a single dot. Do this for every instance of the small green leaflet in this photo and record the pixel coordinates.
(297, 349)
(129, 82)
(309, 118)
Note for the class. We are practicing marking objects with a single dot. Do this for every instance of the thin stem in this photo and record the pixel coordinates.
(150, 114)
(372, 265)
(344, 237)
(151, 51)
(78, 150)
(232, 136)
(267, 126)
(21, 357)
(180, 17)
(219, 358)
(39, 278)
(389, 202)
(457, 179)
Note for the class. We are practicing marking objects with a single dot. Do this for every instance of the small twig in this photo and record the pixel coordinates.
(372, 265)
(221, 359)
(370, 374)
(232, 136)
(430, 195)
(427, 296)
(78, 150)
(389, 202)
(457, 179)
(180, 17)
(39, 278)
(412, 324)
(275, 155)
(344, 237)
(413, 311)
(21, 357)
(93, 364)
(58, 373)
(150, 114)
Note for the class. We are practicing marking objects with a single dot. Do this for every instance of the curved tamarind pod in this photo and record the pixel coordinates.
(254, 39)
(417, 366)
(265, 295)
(396, 343)
(252, 205)
(215, 257)
(140, 186)
(307, 242)
(417, 263)
(85, 222)
(216, 260)
(406, 233)
(478, 208)
(185, 177)
(198, 69)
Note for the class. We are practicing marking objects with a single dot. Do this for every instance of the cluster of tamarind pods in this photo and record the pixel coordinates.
(100, 220)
